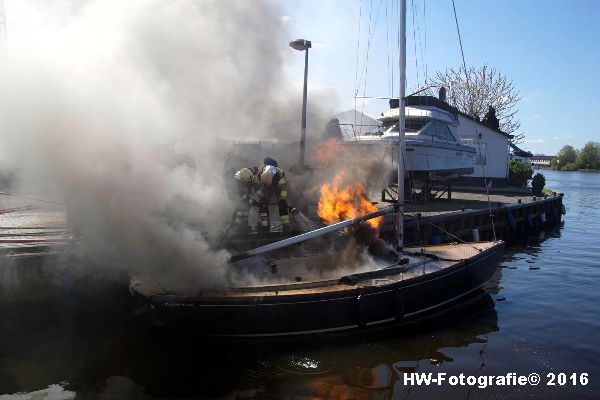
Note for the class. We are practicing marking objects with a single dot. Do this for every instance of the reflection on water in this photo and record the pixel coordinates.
(52, 392)
(539, 315)
(118, 357)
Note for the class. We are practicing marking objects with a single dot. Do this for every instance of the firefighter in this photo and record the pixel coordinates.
(273, 182)
(247, 184)
(270, 161)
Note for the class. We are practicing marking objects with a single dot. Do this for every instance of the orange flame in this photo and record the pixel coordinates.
(341, 203)
(326, 151)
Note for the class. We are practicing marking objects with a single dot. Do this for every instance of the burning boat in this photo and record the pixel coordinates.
(339, 277)
(423, 281)
(311, 283)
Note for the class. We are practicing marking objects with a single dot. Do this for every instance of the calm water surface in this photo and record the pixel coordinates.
(539, 315)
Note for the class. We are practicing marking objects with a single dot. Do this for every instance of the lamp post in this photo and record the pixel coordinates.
(302, 45)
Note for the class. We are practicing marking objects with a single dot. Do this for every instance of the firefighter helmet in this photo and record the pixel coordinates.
(244, 175)
(270, 161)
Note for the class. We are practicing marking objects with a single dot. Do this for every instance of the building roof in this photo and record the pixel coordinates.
(354, 122)
(519, 152)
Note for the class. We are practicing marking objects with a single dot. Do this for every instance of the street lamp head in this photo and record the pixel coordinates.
(301, 44)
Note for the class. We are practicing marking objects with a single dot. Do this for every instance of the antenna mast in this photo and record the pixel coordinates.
(401, 103)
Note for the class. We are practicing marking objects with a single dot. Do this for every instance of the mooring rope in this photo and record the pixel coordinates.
(462, 53)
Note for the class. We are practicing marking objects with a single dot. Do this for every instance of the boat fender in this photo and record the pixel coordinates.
(543, 217)
(529, 220)
(563, 209)
(512, 223)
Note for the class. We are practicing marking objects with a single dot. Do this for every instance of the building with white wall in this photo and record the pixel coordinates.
(492, 145)
(541, 160)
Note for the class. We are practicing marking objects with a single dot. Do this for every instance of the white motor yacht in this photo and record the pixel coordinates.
(430, 144)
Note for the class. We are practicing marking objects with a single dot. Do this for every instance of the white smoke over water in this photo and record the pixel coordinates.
(101, 99)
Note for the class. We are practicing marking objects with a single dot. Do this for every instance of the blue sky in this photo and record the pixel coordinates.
(550, 49)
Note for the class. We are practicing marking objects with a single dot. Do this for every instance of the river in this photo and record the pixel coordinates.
(540, 315)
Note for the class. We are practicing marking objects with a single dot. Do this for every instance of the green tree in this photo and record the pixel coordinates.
(569, 167)
(537, 184)
(566, 155)
(519, 173)
(490, 119)
(589, 156)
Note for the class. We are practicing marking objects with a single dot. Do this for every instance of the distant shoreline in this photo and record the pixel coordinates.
(567, 170)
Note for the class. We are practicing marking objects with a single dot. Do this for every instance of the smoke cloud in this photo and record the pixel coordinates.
(123, 108)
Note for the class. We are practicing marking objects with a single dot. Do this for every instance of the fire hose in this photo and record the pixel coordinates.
(312, 234)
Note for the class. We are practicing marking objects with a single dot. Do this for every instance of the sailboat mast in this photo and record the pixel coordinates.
(401, 124)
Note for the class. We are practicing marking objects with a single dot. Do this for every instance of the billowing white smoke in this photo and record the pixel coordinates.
(100, 106)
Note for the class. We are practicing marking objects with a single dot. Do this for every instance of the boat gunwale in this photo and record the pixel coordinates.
(275, 297)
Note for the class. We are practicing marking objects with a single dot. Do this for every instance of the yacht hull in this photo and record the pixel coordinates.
(421, 156)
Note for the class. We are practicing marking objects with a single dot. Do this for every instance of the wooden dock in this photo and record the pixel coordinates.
(472, 216)
(30, 226)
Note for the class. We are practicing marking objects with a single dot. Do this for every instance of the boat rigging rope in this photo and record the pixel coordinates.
(356, 72)
(366, 64)
(454, 236)
(356, 86)
(460, 40)
(487, 190)
(376, 185)
(31, 198)
(419, 233)
(415, 42)
(387, 48)
(422, 53)
(227, 229)
(425, 34)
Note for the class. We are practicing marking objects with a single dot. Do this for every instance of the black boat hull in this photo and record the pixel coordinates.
(321, 312)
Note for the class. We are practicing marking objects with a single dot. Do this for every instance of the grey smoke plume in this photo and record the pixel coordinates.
(104, 106)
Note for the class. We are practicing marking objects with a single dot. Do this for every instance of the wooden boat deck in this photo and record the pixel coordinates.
(445, 256)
